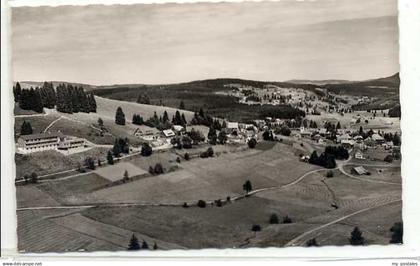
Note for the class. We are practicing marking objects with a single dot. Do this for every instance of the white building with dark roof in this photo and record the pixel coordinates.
(38, 142)
(48, 141)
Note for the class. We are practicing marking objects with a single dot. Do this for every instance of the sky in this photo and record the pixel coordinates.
(169, 43)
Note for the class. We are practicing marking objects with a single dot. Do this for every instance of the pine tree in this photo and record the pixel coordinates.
(311, 243)
(120, 117)
(165, 117)
(247, 186)
(144, 245)
(100, 122)
(356, 238)
(116, 150)
(222, 137)
(126, 176)
(134, 243)
(17, 91)
(182, 105)
(397, 233)
(110, 158)
(155, 246)
(26, 128)
(212, 136)
(184, 121)
(338, 125)
(274, 219)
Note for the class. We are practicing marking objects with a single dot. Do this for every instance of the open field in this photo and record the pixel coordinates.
(19, 111)
(308, 201)
(224, 176)
(52, 161)
(37, 232)
(380, 173)
(32, 196)
(116, 172)
(218, 227)
(70, 190)
(38, 123)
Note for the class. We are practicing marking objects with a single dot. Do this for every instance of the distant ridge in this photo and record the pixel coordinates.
(390, 82)
(318, 82)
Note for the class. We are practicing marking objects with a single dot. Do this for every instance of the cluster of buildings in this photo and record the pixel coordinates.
(49, 141)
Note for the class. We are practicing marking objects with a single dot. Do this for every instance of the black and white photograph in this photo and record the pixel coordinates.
(189, 126)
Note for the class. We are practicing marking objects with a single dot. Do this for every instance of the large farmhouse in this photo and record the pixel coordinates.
(47, 141)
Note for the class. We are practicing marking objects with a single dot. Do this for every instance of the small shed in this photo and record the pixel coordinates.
(360, 170)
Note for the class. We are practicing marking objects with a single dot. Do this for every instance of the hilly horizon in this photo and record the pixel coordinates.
(393, 80)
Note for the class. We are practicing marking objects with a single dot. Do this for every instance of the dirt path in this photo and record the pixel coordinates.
(52, 123)
(33, 115)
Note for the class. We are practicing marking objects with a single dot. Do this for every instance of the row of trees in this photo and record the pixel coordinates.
(74, 99)
(159, 122)
(357, 239)
(327, 158)
(67, 98)
(215, 138)
(201, 118)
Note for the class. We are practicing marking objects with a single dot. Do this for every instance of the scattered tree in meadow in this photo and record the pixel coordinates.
(110, 158)
(144, 245)
(397, 233)
(26, 128)
(126, 176)
(256, 228)
(146, 149)
(120, 117)
(90, 163)
(210, 152)
(247, 186)
(34, 178)
(151, 170)
(287, 220)
(134, 243)
(100, 122)
(155, 246)
(274, 219)
(137, 120)
(311, 243)
(201, 204)
(187, 156)
(212, 136)
(252, 143)
(182, 105)
(330, 174)
(158, 169)
(356, 238)
(222, 137)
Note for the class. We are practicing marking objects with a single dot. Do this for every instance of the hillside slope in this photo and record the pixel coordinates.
(106, 109)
